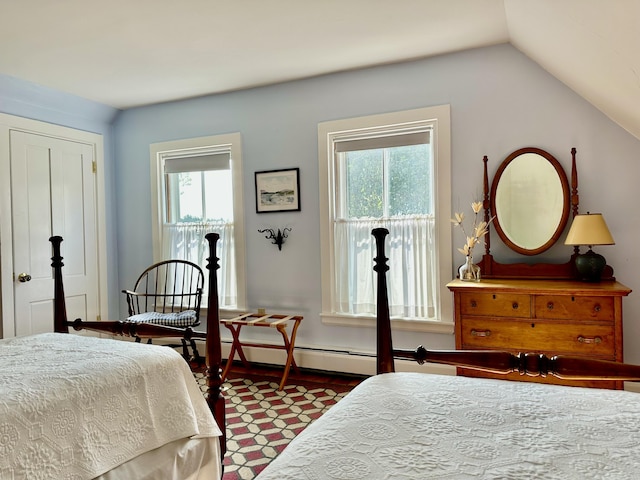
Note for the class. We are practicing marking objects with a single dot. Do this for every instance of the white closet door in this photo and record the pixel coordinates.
(52, 193)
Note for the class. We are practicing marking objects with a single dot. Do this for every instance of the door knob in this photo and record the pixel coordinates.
(24, 277)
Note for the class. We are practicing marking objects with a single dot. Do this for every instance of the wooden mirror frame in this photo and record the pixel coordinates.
(564, 214)
(492, 269)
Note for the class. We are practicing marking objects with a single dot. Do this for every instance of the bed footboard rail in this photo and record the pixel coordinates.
(487, 360)
(497, 362)
(530, 364)
(125, 328)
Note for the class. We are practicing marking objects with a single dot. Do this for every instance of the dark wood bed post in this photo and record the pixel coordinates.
(59, 306)
(215, 399)
(384, 347)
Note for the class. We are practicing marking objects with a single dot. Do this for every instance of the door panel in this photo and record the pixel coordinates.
(53, 193)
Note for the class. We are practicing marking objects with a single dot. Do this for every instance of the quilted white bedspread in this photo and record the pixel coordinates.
(74, 407)
(418, 426)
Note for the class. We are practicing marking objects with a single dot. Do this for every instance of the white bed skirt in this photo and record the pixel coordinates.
(184, 459)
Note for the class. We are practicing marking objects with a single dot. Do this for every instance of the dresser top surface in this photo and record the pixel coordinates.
(542, 286)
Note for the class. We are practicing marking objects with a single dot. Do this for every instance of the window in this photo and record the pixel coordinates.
(391, 171)
(197, 190)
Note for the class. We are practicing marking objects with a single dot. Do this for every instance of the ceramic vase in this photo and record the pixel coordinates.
(468, 271)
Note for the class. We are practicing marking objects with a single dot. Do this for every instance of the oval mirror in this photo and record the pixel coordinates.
(530, 201)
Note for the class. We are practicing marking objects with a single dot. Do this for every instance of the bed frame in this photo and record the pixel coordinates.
(530, 364)
(213, 359)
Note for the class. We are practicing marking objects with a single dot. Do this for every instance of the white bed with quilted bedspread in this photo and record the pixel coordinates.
(79, 407)
(401, 426)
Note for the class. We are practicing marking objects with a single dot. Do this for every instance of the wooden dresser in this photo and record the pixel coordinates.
(541, 316)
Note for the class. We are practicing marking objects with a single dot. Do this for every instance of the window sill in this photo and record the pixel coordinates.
(396, 323)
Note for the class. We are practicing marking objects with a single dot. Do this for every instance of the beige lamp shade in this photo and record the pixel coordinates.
(589, 229)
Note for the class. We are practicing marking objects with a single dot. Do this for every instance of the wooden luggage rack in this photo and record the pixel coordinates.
(279, 322)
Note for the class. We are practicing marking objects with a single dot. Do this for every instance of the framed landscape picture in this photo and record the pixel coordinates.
(278, 190)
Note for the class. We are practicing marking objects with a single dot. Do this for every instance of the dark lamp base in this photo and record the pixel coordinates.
(590, 266)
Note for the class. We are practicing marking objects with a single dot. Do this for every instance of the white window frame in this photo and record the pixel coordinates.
(159, 152)
(438, 117)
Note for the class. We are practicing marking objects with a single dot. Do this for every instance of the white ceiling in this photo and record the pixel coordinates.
(127, 53)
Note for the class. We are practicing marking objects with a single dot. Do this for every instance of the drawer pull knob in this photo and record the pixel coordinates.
(595, 340)
(514, 305)
(480, 333)
(596, 308)
(474, 304)
(550, 306)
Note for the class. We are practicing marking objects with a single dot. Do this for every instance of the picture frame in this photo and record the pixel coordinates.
(278, 190)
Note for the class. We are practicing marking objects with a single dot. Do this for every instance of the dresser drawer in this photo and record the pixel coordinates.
(539, 336)
(496, 304)
(574, 307)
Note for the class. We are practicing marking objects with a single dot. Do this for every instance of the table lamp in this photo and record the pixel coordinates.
(589, 230)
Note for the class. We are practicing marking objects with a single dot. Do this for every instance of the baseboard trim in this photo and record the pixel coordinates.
(632, 387)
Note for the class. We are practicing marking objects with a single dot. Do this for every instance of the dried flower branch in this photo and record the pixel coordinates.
(479, 229)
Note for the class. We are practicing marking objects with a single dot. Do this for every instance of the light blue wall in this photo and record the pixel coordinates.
(500, 101)
(28, 100)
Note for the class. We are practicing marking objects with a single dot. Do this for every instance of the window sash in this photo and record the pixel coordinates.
(186, 240)
(211, 191)
(396, 136)
(434, 120)
(220, 152)
(412, 261)
(344, 197)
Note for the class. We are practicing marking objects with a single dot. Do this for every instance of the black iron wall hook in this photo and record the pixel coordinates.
(278, 238)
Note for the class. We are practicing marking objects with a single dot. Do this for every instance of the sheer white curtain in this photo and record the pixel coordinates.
(411, 279)
(186, 241)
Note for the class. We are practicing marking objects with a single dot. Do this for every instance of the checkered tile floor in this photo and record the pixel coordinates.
(261, 420)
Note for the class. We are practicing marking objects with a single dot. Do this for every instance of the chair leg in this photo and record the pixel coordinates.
(196, 355)
(185, 350)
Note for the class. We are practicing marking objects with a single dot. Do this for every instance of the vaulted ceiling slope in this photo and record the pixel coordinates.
(127, 53)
